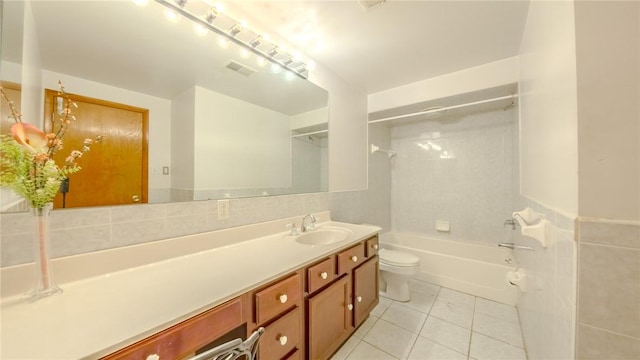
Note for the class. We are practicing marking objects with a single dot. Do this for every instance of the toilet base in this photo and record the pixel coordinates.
(397, 289)
(397, 293)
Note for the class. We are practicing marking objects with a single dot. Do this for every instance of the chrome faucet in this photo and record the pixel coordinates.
(308, 226)
(511, 222)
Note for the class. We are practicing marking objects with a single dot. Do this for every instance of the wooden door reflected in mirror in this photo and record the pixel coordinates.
(114, 172)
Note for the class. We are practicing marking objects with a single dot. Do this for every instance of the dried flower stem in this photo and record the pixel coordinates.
(17, 117)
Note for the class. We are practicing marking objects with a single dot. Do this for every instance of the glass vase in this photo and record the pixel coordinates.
(43, 284)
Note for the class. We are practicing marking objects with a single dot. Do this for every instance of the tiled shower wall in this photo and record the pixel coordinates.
(456, 169)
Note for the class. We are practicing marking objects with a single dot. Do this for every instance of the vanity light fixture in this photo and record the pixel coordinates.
(273, 52)
(256, 42)
(213, 19)
(211, 15)
(235, 29)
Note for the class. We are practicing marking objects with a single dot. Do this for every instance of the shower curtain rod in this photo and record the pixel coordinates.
(310, 133)
(445, 108)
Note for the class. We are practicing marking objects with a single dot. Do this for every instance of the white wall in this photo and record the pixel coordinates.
(310, 118)
(498, 73)
(608, 69)
(182, 140)
(239, 144)
(549, 177)
(347, 131)
(32, 95)
(548, 106)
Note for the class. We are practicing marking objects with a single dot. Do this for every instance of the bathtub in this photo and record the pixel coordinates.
(475, 269)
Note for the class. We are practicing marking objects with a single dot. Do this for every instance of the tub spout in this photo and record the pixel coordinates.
(515, 247)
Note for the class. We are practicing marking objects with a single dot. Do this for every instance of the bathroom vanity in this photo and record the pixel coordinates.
(308, 297)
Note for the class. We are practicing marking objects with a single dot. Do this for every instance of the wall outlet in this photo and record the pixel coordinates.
(223, 209)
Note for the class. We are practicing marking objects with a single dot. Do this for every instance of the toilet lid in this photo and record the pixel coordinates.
(397, 258)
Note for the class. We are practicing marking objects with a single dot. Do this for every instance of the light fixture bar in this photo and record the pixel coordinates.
(230, 34)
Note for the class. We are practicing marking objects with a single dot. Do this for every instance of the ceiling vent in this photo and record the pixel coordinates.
(240, 68)
(369, 5)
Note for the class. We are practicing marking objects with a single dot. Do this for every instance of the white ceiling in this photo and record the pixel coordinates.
(397, 43)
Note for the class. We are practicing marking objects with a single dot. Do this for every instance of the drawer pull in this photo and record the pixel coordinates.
(350, 307)
(375, 246)
(359, 298)
(324, 275)
(153, 357)
(282, 340)
(354, 258)
(283, 298)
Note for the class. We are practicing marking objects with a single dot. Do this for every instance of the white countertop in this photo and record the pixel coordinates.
(100, 314)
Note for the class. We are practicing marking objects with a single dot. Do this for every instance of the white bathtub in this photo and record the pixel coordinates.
(479, 270)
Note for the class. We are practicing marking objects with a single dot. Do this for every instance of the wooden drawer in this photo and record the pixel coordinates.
(186, 337)
(278, 298)
(350, 258)
(281, 337)
(320, 274)
(295, 356)
(371, 246)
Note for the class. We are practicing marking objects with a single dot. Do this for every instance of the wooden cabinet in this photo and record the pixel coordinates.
(281, 337)
(334, 312)
(329, 319)
(365, 290)
(277, 298)
(342, 289)
(182, 340)
(371, 246)
(321, 274)
(350, 258)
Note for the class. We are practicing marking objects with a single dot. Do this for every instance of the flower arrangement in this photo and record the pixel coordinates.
(26, 156)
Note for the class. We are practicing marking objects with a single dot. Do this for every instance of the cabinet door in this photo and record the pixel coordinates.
(330, 317)
(365, 289)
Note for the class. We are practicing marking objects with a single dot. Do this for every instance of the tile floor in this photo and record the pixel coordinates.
(438, 323)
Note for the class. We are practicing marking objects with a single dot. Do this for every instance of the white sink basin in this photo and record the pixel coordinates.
(323, 236)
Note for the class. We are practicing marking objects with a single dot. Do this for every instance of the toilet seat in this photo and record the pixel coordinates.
(398, 258)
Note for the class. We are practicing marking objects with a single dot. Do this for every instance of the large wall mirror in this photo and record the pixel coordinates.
(220, 124)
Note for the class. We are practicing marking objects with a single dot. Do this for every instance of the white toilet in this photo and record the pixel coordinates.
(396, 269)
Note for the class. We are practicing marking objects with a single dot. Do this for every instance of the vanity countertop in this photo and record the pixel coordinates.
(100, 314)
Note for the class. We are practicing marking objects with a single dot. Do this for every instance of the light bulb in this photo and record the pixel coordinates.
(275, 68)
(261, 61)
(289, 75)
(171, 15)
(200, 30)
(244, 53)
(224, 43)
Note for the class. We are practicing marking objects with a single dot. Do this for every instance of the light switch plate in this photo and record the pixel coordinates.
(223, 209)
(443, 226)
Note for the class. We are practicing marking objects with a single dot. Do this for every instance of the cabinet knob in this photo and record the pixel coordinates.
(283, 298)
(282, 340)
(153, 357)
(359, 298)
(324, 275)
(350, 307)
(354, 258)
(375, 246)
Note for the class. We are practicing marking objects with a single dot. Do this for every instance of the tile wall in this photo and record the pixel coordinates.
(92, 229)
(457, 169)
(547, 308)
(608, 324)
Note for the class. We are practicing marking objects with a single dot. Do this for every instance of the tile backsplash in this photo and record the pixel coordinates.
(78, 231)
